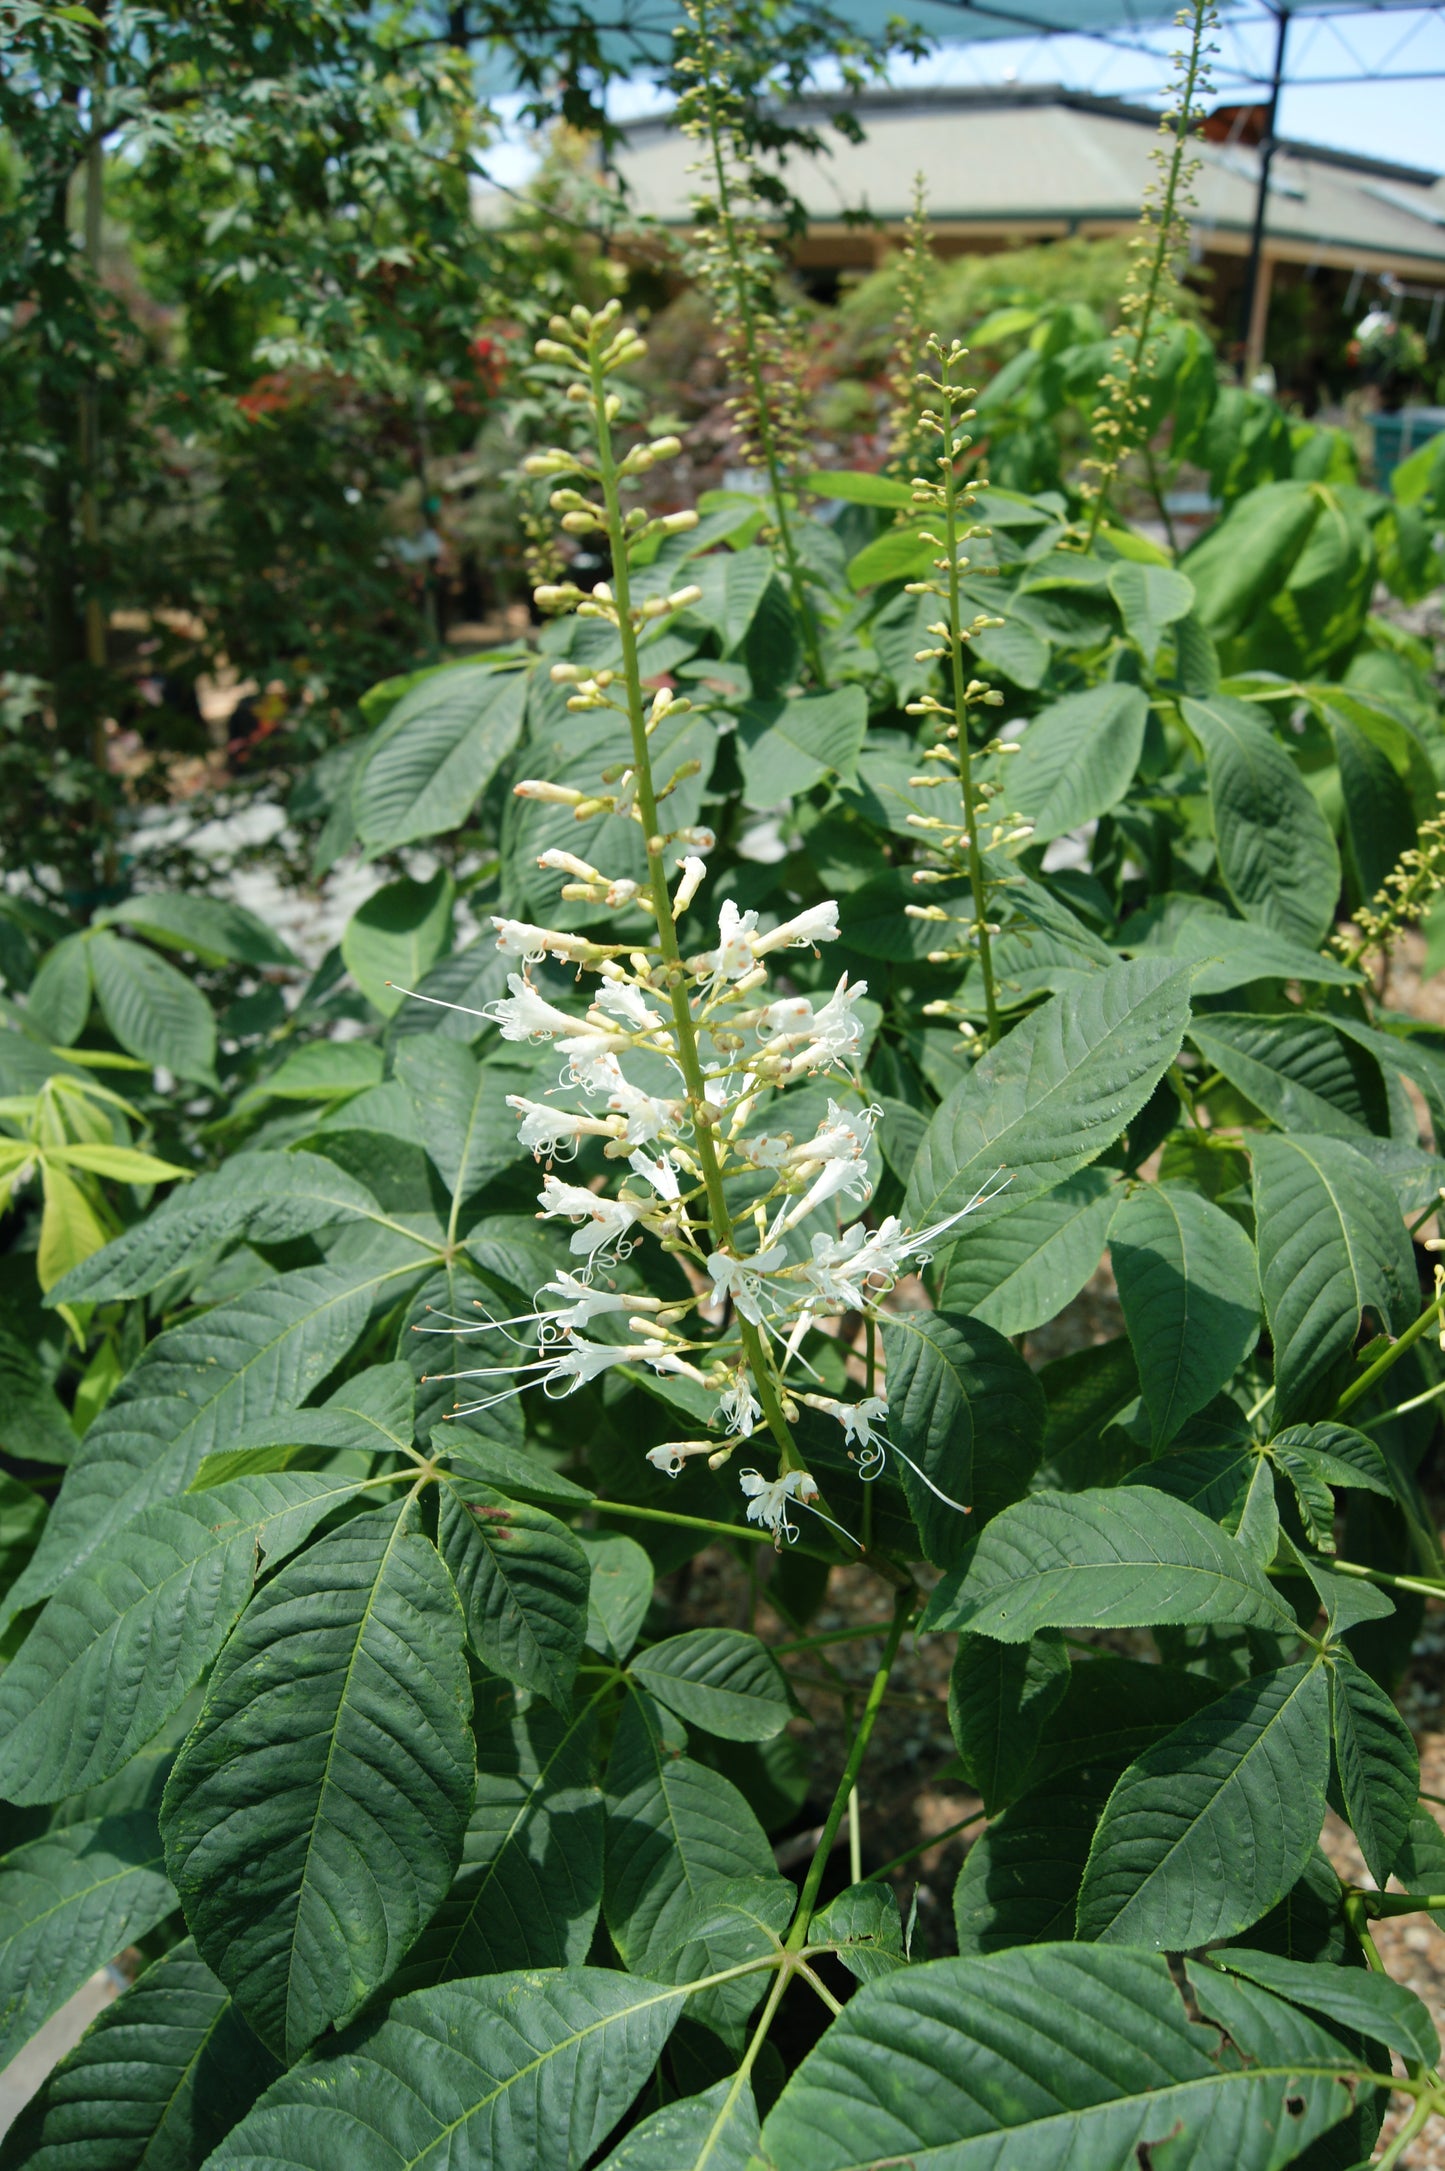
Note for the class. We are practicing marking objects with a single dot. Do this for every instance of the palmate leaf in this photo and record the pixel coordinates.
(312, 1829)
(270, 1197)
(194, 1386)
(374, 1412)
(496, 2073)
(674, 1829)
(1058, 2054)
(720, 1679)
(1211, 1827)
(522, 1578)
(157, 2080)
(1377, 1763)
(1113, 1708)
(530, 1883)
(1077, 758)
(1063, 1086)
(1025, 1267)
(437, 751)
(740, 1919)
(963, 1406)
(1122, 1557)
(125, 1638)
(786, 747)
(1020, 1880)
(462, 1112)
(1356, 1998)
(1190, 1292)
(1297, 1069)
(69, 1902)
(1331, 1246)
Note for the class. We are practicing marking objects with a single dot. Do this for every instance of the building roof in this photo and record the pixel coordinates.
(1058, 161)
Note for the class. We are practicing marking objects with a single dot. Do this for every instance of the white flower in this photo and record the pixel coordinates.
(739, 1408)
(583, 1302)
(863, 1422)
(526, 1015)
(818, 924)
(659, 1173)
(849, 1178)
(734, 953)
(839, 1137)
(742, 1279)
(581, 1360)
(621, 1000)
(670, 1455)
(519, 938)
(553, 1131)
(646, 1118)
(837, 1027)
(604, 1221)
(768, 1500)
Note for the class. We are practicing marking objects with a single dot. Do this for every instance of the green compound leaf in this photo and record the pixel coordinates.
(313, 1830)
(1277, 853)
(1063, 1085)
(461, 1110)
(500, 2071)
(1212, 1826)
(1077, 758)
(155, 1012)
(1297, 1070)
(1370, 2004)
(156, 2081)
(1331, 1246)
(1020, 1880)
(530, 1883)
(125, 1639)
(966, 1409)
(523, 1581)
(619, 1593)
(674, 1830)
(716, 2131)
(195, 1386)
(1056, 2054)
(1122, 1557)
(69, 1902)
(1190, 1291)
(786, 747)
(436, 753)
(214, 929)
(1377, 1762)
(394, 939)
(999, 1695)
(1022, 1269)
(720, 1679)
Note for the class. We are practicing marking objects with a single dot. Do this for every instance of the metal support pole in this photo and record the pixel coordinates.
(1261, 201)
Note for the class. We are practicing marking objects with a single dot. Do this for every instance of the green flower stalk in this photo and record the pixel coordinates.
(1159, 247)
(908, 438)
(739, 271)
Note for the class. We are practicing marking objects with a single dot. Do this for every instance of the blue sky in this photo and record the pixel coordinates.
(1404, 121)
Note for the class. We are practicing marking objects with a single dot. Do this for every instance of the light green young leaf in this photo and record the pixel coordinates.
(529, 1887)
(126, 1638)
(864, 1922)
(1331, 1246)
(1077, 758)
(1377, 1762)
(1022, 1269)
(1123, 1557)
(523, 1580)
(674, 1829)
(786, 747)
(503, 2071)
(1190, 1291)
(1051, 1096)
(1277, 854)
(155, 1012)
(720, 1679)
(435, 755)
(1006, 2062)
(619, 1593)
(1214, 1824)
(313, 1834)
(965, 1408)
(155, 2083)
(396, 936)
(69, 1902)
